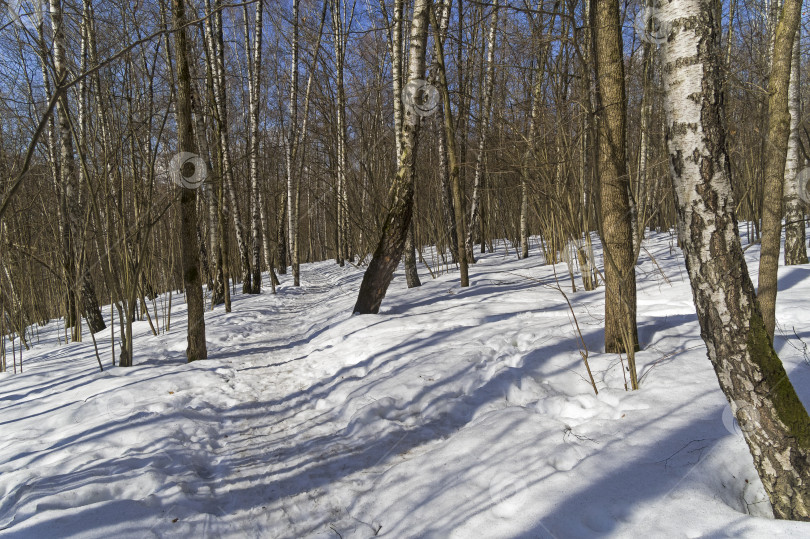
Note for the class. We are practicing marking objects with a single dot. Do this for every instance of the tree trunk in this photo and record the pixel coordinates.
(339, 41)
(452, 154)
(192, 279)
(220, 291)
(448, 235)
(281, 237)
(448, 212)
(292, 139)
(774, 422)
(795, 241)
(214, 27)
(411, 275)
(486, 109)
(395, 228)
(254, 93)
(643, 178)
(80, 288)
(776, 145)
(216, 279)
(621, 334)
(395, 42)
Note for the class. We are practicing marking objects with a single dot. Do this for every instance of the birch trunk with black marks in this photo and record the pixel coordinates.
(254, 94)
(389, 250)
(795, 240)
(453, 166)
(268, 253)
(216, 280)
(79, 282)
(339, 42)
(290, 144)
(192, 279)
(214, 26)
(395, 46)
(528, 163)
(217, 209)
(486, 110)
(449, 219)
(643, 188)
(774, 422)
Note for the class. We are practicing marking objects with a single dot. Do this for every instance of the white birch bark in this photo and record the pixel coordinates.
(795, 244)
(486, 110)
(292, 221)
(254, 93)
(772, 418)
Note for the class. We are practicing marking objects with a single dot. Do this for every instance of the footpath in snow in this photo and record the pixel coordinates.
(454, 413)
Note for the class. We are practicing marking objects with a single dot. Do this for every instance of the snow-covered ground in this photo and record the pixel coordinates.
(454, 413)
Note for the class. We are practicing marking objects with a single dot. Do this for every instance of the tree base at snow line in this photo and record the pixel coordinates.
(411, 275)
(217, 289)
(614, 183)
(773, 420)
(92, 312)
(617, 346)
(389, 251)
(795, 250)
(247, 282)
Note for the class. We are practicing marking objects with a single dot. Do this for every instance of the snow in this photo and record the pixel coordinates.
(454, 413)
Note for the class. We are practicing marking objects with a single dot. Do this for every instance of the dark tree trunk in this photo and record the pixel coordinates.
(411, 275)
(192, 278)
(621, 334)
(776, 146)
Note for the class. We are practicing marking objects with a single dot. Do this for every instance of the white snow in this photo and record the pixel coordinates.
(454, 413)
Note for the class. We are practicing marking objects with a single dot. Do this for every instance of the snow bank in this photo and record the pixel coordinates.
(454, 413)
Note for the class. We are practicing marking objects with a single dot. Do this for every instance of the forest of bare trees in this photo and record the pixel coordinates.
(183, 148)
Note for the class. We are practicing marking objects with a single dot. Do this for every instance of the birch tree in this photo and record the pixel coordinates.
(395, 49)
(771, 416)
(486, 111)
(795, 241)
(81, 294)
(389, 250)
(453, 153)
(217, 57)
(254, 94)
(339, 44)
(290, 144)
